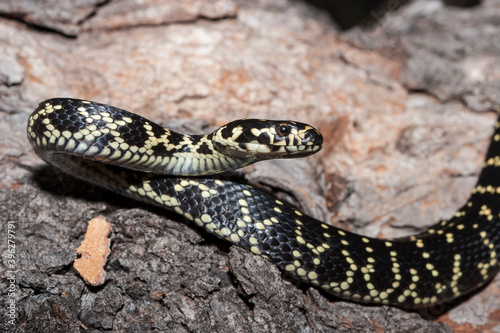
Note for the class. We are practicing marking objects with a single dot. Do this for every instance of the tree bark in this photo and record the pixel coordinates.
(397, 104)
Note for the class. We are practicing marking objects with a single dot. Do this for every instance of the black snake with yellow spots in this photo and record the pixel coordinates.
(128, 154)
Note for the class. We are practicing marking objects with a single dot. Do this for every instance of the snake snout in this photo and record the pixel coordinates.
(312, 137)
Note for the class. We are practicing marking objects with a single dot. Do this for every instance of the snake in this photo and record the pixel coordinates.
(188, 174)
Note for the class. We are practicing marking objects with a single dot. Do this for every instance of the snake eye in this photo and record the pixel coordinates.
(283, 129)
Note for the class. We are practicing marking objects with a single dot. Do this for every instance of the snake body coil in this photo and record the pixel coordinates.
(96, 142)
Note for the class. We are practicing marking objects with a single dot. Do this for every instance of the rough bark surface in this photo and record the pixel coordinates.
(397, 105)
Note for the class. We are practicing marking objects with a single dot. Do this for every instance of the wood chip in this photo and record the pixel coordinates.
(94, 252)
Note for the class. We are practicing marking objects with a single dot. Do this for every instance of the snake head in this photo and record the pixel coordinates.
(259, 139)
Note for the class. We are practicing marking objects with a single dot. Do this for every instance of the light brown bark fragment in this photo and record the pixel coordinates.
(94, 252)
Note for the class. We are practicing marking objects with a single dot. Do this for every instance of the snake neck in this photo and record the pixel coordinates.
(108, 134)
(185, 155)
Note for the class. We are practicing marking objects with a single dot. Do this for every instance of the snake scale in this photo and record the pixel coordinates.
(133, 156)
